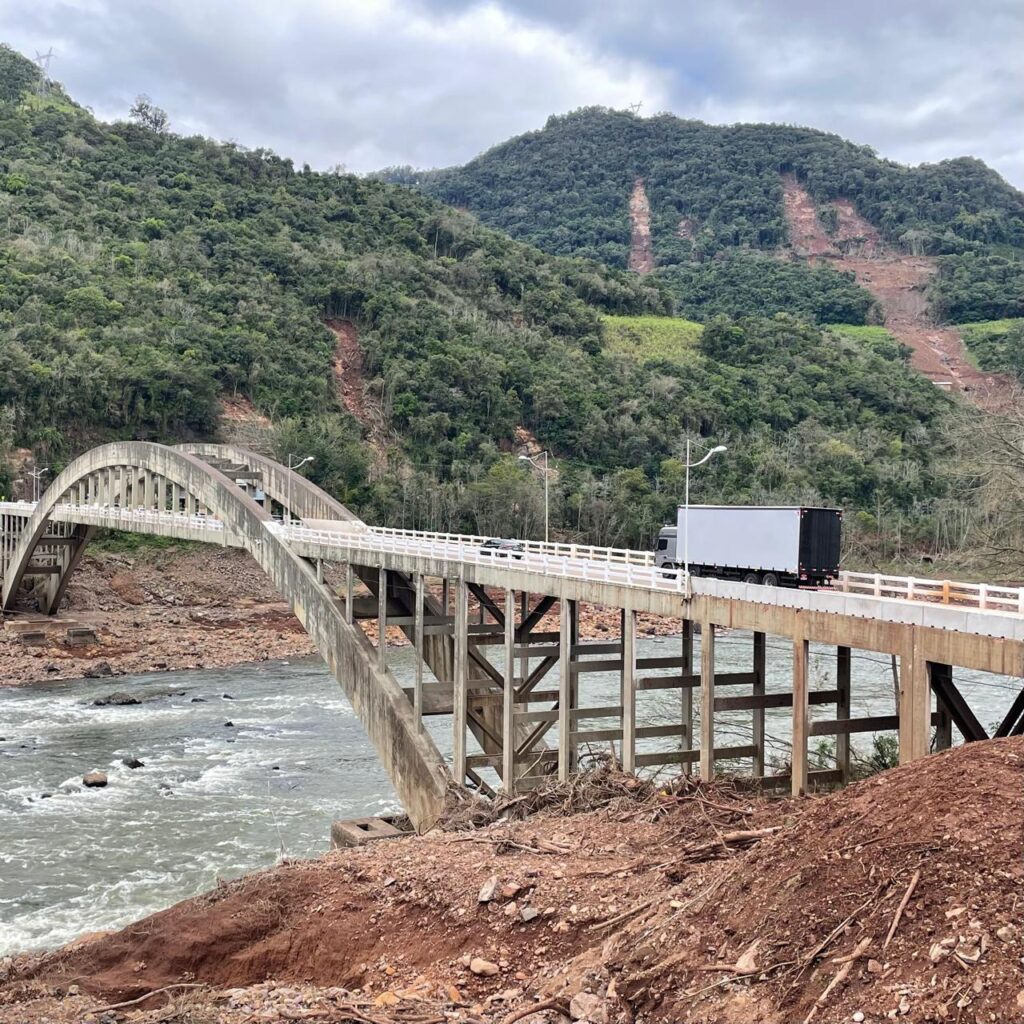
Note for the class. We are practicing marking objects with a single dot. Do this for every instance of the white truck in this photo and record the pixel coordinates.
(778, 546)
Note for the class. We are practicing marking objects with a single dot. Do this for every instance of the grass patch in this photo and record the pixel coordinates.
(651, 339)
(995, 344)
(856, 332)
(123, 542)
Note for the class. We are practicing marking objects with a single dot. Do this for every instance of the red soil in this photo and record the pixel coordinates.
(898, 281)
(648, 905)
(641, 251)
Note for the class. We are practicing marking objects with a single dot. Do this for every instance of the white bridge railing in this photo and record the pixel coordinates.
(470, 551)
(580, 561)
(625, 556)
(984, 596)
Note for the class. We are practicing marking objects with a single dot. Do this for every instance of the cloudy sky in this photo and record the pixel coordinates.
(368, 83)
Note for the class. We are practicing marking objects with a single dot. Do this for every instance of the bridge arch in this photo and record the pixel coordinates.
(157, 473)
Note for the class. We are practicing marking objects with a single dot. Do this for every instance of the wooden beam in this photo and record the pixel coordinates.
(480, 593)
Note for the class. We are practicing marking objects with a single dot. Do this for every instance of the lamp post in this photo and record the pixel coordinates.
(36, 475)
(686, 508)
(529, 459)
(291, 468)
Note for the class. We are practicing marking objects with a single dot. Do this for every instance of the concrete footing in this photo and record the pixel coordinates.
(350, 832)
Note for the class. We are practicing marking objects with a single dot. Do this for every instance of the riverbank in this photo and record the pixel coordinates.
(169, 609)
(897, 898)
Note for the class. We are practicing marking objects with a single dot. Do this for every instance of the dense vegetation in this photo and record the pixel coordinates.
(716, 189)
(142, 275)
(997, 345)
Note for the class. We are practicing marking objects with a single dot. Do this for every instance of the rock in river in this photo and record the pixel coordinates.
(94, 780)
(100, 670)
(132, 762)
(120, 699)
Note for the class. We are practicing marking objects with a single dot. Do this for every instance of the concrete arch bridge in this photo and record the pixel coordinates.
(512, 680)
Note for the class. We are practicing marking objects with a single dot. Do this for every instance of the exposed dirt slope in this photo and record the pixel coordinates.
(641, 250)
(655, 910)
(898, 282)
(350, 384)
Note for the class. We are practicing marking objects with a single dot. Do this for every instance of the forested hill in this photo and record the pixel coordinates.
(145, 277)
(716, 191)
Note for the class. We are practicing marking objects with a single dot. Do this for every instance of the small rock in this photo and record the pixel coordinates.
(483, 967)
(510, 891)
(132, 762)
(857, 1017)
(94, 780)
(1006, 933)
(874, 967)
(229, 725)
(587, 1007)
(488, 889)
(510, 909)
(226, 696)
(100, 670)
(198, 700)
(527, 914)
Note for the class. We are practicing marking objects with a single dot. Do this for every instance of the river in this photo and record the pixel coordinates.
(214, 801)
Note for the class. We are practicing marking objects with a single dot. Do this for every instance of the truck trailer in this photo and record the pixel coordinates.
(778, 546)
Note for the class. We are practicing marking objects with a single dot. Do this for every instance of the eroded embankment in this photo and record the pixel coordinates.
(898, 896)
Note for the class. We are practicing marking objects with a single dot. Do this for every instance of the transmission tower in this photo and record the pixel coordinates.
(634, 108)
(43, 63)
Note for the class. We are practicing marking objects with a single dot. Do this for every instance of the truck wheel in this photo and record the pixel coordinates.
(751, 577)
(770, 579)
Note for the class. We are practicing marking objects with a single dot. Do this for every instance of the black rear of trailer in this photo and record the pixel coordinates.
(820, 532)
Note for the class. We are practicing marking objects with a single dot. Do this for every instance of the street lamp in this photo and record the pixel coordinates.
(686, 514)
(291, 467)
(529, 459)
(36, 474)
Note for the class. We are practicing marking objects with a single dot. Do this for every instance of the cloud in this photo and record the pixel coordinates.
(433, 82)
(365, 84)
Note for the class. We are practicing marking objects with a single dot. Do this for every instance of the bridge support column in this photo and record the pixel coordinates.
(801, 717)
(757, 735)
(417, 686)
(686, 695)
(628, 690)
(844, 688)
(382, 620)
(350, 586)
(460, 696)
(567, 689)
(915, 702)
(508, 707)
(707, 700)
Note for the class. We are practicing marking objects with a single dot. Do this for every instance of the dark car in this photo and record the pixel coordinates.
(498, 548)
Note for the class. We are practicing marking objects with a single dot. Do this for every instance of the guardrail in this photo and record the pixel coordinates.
(472, 553)
(984, 596)
(626, 556)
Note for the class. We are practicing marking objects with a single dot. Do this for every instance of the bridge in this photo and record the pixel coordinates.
(517, 718)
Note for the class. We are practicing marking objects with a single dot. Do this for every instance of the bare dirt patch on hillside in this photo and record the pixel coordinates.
(898, 898)
(898, 282)
(641, 249)
(350, 385)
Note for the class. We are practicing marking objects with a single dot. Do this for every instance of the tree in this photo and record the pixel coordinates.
(146, 113)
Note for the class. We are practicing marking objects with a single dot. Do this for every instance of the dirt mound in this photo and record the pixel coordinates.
(896, 898)
(901, 893)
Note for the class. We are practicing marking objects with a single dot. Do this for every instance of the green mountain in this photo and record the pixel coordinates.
(716, 210)
(145, 278)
